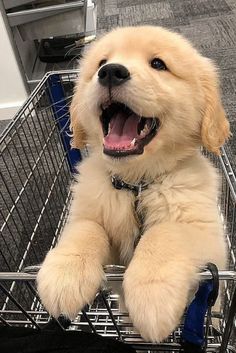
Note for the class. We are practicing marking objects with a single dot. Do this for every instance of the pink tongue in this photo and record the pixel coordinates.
(122, 131)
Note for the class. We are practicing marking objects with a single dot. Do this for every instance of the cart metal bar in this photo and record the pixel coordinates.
(33, 95)
(111, 315)
(21, 276)
(229, 324)
(4, 321)
(92, 327)
(228, 172)
(19, 306)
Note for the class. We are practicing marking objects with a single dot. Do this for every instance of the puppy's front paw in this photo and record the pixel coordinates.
(155, 303)
(67, 282)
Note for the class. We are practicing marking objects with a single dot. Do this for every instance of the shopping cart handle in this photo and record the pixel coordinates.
(215, 284)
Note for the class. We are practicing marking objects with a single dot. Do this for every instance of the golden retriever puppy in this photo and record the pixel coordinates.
(145, 102)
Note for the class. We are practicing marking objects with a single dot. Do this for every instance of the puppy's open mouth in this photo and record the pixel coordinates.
(125, 132)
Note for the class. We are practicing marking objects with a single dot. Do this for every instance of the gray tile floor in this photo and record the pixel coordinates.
(209, 24)
(3, 124)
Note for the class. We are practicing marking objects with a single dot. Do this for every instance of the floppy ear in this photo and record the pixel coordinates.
(78, 134)
(215, 128)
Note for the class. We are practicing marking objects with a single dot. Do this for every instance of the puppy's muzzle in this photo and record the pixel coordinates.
(111, 75)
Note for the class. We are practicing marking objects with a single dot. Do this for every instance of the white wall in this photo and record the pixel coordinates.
(91, 18)
(12, 89)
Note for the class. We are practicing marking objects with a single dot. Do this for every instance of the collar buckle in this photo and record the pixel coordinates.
(117, 183)
(137, 189)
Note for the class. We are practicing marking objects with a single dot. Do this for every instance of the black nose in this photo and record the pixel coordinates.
(113, 75)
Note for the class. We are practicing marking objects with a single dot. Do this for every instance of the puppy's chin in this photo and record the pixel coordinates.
(116, 160)
(157, 158)
(132, 167)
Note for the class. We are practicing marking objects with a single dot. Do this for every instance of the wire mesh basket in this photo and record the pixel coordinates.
(36, 175)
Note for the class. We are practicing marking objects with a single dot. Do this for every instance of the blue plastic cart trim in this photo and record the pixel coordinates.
(193, 330)
(62, 115)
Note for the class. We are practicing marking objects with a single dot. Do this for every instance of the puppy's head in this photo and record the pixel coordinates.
(145, 91)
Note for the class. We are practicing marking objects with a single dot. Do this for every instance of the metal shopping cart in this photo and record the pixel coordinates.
(36, 173)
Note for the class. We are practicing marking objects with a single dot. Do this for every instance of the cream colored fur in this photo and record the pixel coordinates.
(183, 230)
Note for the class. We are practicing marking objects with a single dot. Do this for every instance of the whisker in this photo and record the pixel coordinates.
(76, 57)
(63, 116)
(71, 51)
(69, 134)
(61, 109)
(70, 45)
(67, 113)
(59, 101)
(64, 127)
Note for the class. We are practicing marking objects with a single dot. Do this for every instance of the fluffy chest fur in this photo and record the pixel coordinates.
(178, 196)
(122, 219)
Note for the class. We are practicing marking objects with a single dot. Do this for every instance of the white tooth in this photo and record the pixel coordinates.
(103, 140)
(132, 142)
(144, 131)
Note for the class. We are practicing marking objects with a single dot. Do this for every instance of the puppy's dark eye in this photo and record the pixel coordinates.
(102, 62)
(158, 64)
